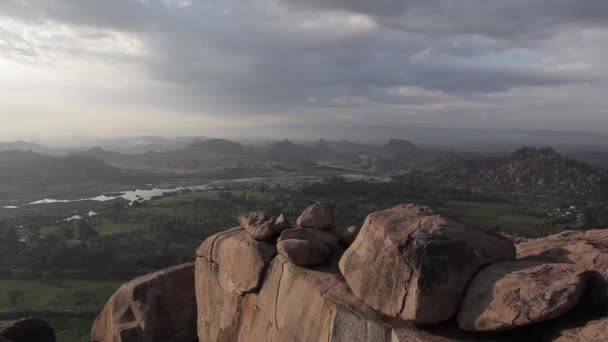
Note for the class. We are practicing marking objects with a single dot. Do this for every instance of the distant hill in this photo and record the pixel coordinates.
(287, 151)
(397, 154)
(143, 144)
(347, 147)
(530, 168)
(28, 166)
(29, 146)
(216, 147)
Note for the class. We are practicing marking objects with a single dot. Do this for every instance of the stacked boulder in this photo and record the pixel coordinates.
(313, 239)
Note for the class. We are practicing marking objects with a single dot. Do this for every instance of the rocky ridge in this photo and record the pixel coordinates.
(408, 274)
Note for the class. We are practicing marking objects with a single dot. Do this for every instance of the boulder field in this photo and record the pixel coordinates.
(407, 275)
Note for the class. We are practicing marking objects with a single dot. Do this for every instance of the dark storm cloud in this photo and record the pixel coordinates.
(486, 17)
(265, 56)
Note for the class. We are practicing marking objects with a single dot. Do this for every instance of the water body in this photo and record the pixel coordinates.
(80, 217)
(143, 195)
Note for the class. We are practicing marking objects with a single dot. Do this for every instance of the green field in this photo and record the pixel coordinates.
(71, 329)
(48, 293)
(60, 292)
(515, 218)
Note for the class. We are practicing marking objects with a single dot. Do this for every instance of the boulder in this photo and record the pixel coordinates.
(319, 216)
(293, 304)
(327, 237)
(31, 329)
(262, 226)
(304, 252)
(506, 295)
(587, 249)
(243, 259)
(348, 236)
(411, 264)
(157, 307)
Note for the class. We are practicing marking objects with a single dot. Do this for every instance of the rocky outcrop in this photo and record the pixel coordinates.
(411, 264)
(587, 249)
(507, 295)
(406, 266)
(293, 304)
(31, 329)
(158, 307)
(319, 216)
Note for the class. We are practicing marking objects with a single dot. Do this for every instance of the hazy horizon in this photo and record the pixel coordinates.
(178, 68)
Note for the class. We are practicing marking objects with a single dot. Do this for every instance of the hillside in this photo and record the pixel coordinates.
(532, 169)
(287, 151)
(396, 154)
(28, 166)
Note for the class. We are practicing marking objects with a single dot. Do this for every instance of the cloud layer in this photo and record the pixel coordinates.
(473, 63)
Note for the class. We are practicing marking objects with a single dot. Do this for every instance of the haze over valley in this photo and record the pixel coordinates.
(317, 171)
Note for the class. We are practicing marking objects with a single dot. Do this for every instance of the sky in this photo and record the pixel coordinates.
(270, 67)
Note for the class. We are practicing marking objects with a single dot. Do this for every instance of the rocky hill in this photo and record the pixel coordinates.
(528, 169)
(408, 274)
(395, 155)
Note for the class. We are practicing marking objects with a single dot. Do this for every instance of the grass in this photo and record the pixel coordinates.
(71, 329)
(191, 196)
(44, 293)
(109, 227)
(516, 218)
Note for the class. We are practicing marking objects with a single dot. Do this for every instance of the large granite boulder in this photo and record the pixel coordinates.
(587, 249)
(507, 295)
(262, 226)
(409, 263)
(31, 329)
(242, 259)
(157, 307)
(319, 216)
(293, 304)
(304, 252)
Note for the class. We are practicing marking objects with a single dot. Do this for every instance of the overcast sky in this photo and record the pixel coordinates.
(179, 67)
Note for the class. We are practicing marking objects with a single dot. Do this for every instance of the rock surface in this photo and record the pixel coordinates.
(507, 295)
(156, 307)
(409, 263)
(304, 252)
(326, 237)
(294, 304)
(243, 259)
(587, 249)
(594, 331)
(262, 226)
(31, 329)
(319, 216)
